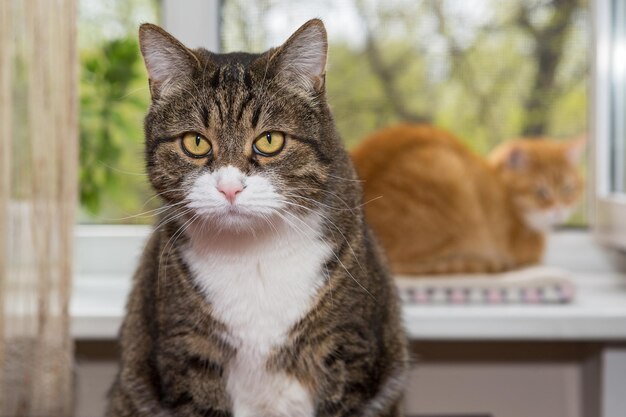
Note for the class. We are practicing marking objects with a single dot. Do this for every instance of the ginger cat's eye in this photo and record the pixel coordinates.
(269, 143)
(542, 192)
(567, 189)
(196, 145)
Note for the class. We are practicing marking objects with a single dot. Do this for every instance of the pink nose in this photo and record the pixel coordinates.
(230, 191)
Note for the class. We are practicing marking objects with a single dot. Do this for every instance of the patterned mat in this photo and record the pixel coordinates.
(533, 285)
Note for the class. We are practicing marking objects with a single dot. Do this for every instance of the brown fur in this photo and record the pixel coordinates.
(439, 208)
(350, 349)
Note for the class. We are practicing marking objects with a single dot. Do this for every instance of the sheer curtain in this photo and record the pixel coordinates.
(38, 184)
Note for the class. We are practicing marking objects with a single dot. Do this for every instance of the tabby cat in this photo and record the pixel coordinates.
(443, 209)
(262, 292)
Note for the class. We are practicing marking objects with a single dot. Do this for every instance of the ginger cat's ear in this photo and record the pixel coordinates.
(509, 155)
(517, 158)
(575, 149)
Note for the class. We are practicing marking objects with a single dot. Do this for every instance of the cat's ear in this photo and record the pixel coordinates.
(302, 58)
(575, 149)
(167, 60)
(516, 158)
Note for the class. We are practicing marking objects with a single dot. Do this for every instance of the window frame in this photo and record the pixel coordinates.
(608, 209)
(194, 22)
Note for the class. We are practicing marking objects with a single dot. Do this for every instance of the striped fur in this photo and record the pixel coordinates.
(327, 339)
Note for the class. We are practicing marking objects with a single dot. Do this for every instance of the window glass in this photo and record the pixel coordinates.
(488, 70)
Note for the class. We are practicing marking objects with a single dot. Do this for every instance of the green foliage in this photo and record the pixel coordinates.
(359, 108)
(113, 98)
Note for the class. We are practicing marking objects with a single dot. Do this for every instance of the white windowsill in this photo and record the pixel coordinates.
(107, 255)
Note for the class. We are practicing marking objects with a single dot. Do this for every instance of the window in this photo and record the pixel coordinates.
(609, 117)
(618, 99)
(488, 70)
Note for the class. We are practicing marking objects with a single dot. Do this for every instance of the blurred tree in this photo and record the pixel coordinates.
(523, 51)
(548, 36)
(389, 72)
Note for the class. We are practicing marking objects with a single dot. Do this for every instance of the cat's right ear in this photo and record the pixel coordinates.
(167, 60)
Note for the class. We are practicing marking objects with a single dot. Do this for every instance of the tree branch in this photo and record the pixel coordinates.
(549, 42)
(387, 74)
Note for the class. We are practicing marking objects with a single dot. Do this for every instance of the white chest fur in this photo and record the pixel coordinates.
(260, 288)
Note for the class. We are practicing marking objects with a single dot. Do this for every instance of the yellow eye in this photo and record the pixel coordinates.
(269, 143)
(196, 145)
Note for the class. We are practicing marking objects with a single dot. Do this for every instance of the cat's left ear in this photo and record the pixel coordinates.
(301, 60)
(575, 149)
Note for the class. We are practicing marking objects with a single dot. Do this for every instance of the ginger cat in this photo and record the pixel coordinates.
(446, 210)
